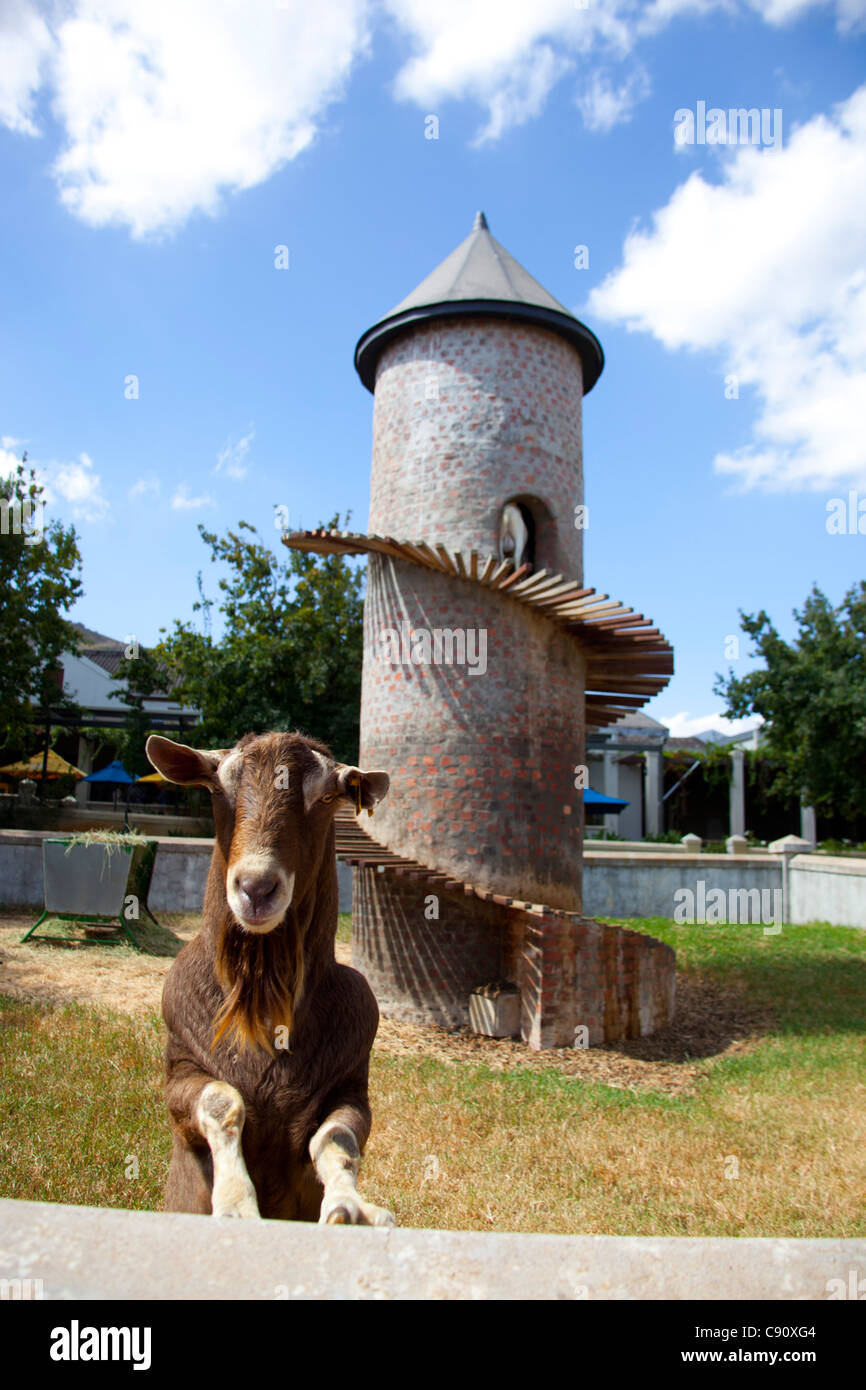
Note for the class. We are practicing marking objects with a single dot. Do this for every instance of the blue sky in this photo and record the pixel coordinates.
(154, 155)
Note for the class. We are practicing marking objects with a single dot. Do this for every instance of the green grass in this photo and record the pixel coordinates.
(771, 1141)
(80, 1098)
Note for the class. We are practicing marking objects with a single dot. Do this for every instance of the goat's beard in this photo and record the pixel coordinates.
(263, 979)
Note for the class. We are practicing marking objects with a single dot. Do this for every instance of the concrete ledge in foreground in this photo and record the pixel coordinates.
(91, 1253)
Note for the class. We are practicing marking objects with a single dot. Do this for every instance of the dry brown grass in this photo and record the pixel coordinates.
(533, 1153)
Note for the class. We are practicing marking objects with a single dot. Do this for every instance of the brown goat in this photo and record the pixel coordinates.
(268, 1037)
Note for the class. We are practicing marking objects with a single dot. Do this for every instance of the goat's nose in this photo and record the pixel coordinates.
(256, 887)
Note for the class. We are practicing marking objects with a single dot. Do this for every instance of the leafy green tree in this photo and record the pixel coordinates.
(290, 654)
(812, 693)
(39, 582)
(143, 675)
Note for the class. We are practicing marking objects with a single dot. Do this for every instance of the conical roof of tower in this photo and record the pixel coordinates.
(480, 278)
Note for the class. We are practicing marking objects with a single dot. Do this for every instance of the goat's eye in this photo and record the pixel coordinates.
(328, 798)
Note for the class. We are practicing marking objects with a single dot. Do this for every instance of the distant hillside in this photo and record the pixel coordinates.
(89, 638)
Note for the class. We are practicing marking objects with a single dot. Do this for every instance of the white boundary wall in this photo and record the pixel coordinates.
(94, 1253)
(825, 889)
(637, 882)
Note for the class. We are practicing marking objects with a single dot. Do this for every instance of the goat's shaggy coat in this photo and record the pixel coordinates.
(265, 1009)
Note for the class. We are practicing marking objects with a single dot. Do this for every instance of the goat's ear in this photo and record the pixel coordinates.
(363, 789)
(191, 767)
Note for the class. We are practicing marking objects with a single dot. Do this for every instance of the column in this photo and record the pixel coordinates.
(738, 793)
(809, 825)
(652, 791)
(84, 760)
(611, 785)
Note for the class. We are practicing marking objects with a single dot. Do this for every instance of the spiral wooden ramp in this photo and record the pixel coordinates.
(628, 660)
(624, 979)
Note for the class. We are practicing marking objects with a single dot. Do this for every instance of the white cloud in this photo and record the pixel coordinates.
(73, 483)
(604, 103)
(505, 56)
(850, 14)
(144, 487)
(79, 487)
(183, 502)
(167, 107)
(26, 44)
(766, 269)
(231, 458)
(686, 725)
(9, 460)
(508, 55)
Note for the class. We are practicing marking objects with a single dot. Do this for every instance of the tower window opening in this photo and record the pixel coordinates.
(517, 535)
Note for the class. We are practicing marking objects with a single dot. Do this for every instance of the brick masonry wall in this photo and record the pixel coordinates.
(504, 422)
(571, 972)
(422, 970)
(481, 765)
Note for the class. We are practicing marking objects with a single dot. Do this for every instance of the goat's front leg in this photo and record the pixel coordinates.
(336, 1158)
(220, 1114)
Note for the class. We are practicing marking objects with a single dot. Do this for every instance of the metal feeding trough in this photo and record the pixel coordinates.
(100, 887)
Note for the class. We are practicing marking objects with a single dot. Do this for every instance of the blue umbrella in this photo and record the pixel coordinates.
(612, 804)
(115, 772)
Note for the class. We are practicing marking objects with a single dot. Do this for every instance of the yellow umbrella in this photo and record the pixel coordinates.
(32, 767)
(154, 777)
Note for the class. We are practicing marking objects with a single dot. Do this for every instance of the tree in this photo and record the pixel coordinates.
(143, 674)
(290, 655)
(812, 693)
(39, 569)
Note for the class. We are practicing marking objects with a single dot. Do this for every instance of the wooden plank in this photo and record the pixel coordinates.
(568, 592)
(433, 561)
(501, 569)
(537, 596)
(386, 545)
(623, 685)
(445, 557)
(626, 655)
(473, 564)
(576, 613)
(580, 604)
(536, 582)
(634, 701)
(609, 624)
(461, 567)
(505, 585)
(489, 567)
(414, 553)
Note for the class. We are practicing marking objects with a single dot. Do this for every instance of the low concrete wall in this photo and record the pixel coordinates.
(89, 1253)
(827, 889)
(179, 874)
(644, 885)
(616, 882)
(648, 847)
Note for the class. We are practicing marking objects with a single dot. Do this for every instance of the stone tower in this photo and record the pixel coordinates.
(478, 378)
(480, 645)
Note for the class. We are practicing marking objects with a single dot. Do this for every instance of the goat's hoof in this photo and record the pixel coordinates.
(353, 1211)
(382, 1217)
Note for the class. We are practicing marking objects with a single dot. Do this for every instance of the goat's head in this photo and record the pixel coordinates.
(274, 796)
